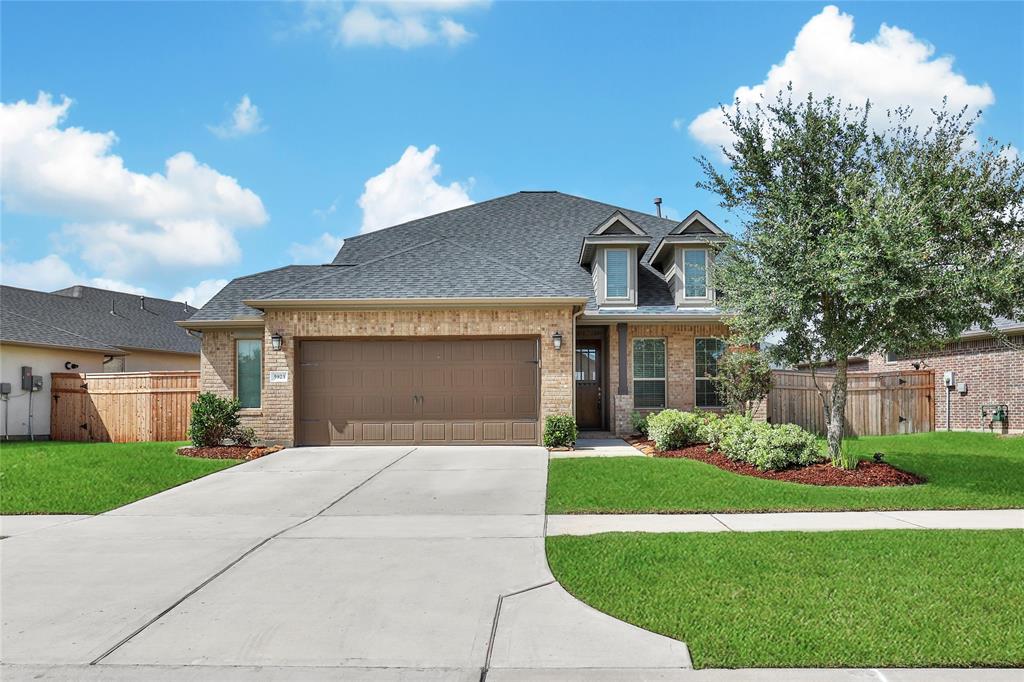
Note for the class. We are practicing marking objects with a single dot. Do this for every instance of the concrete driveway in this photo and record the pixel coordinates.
(361, 563)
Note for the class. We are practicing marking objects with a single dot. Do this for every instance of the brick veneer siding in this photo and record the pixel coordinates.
(274, 422)
(217, 368)
(993, 372)
(679, 369)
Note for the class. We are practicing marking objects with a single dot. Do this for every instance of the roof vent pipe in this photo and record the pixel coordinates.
(657, 203)
(112, 312)
(142, 302)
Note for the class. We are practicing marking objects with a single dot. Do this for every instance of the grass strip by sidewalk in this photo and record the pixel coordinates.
(963, 471)
(895, 598)
(48, 477)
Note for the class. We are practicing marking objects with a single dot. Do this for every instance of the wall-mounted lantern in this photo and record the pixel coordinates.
(276, 340)
(557, 339)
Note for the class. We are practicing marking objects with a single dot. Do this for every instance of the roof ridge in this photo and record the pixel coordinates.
(350, 268)
(61, 329)
(432, 215)
(617, 207)
(507, 266)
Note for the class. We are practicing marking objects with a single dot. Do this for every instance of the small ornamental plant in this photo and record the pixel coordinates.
(215, 420)
(560, 431)
(672, 429)
(639, 422)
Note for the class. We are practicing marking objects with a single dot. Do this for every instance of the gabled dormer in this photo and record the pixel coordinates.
(685, 256)
(612, 251)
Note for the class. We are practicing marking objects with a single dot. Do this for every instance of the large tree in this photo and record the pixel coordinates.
(859, 240)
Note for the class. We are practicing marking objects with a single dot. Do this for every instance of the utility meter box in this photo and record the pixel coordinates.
(26, 378)
(949, 379)
(5, 389)
(37, 382)
(961, 388)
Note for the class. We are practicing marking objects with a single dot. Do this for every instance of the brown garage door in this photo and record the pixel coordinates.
(418, 391)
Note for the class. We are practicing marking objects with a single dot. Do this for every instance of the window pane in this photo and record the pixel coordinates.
(695, 272)
(250, 371)
(706, 357)
(617, 275)
(586, 364)
(649, 358)
(707, 395)
(647, 393)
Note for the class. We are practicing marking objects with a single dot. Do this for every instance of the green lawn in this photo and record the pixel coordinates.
(46, 477)
(962, 470)
(856, 598)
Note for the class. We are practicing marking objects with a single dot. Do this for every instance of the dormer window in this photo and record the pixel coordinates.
(616, 267)
(612, 253)
(695, 273)
(685, 255)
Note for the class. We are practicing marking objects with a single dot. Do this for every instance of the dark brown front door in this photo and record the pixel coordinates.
(588, 384)
(422, 390)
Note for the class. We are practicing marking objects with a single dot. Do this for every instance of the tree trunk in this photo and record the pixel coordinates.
(837, 410)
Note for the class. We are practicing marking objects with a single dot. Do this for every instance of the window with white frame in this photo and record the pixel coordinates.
(707, 352)
(891, 358)
(616, 273)
(648, 373)
(695, 273)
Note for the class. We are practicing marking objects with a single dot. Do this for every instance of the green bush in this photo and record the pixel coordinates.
(215, 420)
(672, 429)
(762, 445)
(708, 423)
(639, 422)
(560, 431)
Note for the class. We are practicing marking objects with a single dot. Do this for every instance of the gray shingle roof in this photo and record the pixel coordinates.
(519, 245)
(81, 317)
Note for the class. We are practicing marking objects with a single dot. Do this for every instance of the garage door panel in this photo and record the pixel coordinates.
(418, 390)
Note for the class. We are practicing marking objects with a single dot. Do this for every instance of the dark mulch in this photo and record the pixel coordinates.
(867, 474)
(228, 452)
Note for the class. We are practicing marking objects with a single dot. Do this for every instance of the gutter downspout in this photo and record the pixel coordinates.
(572, 363)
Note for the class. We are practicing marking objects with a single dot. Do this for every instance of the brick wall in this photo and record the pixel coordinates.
(679, 370)
(217, 368)
(993, 372)
(274, 422)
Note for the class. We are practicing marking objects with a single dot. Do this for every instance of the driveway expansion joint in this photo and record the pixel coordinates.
(237, 560)
(494, 624)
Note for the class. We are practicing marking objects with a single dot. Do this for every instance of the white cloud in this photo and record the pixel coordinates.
(123, 223)
(52, 272)
(245, 120)
(405, 25)
(408, 190)
(198, 295)
(320, 250)
(894, 68)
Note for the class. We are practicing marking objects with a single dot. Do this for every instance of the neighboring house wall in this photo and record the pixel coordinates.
(680, 390)
(274, 421)
(155, 361)
(992, 370)
(43, 361)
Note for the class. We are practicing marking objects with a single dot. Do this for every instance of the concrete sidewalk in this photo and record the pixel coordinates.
(974, 519)
(598, 447)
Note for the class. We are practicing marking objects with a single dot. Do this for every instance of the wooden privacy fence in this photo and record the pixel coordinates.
(126, 407)
(877, 403)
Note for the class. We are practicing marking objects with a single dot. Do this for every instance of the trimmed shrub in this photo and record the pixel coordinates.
(764, 446)
(639, 422)
(560, 431)
(708, 423)
(214, 420)
(672, 429)
(244, 435)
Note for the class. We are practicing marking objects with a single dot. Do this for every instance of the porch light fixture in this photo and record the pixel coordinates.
(557, 339)
(276, 340)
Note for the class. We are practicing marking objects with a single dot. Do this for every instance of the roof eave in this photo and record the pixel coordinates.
(462, 302)
(199, 325)
(59, 346)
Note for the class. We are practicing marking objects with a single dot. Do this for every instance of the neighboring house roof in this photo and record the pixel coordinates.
(523, 245)
(94, 319)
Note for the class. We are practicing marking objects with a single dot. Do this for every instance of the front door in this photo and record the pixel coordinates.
(588, 384)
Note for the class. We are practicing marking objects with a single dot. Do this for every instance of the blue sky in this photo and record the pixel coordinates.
(290, 126)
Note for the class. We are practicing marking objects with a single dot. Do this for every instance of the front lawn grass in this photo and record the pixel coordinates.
(48, 477)
(962, 470)
(894, 598)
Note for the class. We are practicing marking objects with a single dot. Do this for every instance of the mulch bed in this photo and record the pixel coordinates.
(228, 452)
(867, 474)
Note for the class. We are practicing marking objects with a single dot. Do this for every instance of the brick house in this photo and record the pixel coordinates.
(990, 371)
(473, 325)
